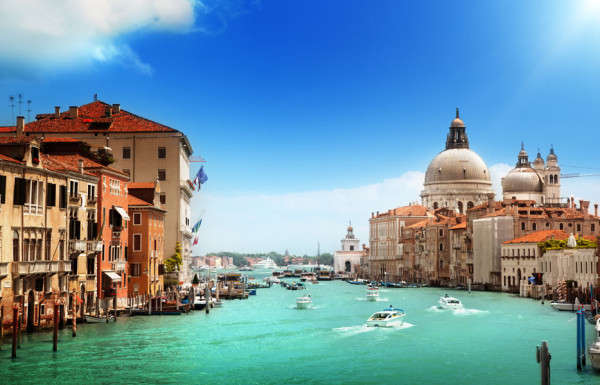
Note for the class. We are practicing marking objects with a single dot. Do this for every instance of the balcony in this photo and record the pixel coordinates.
(76, 245)
(119, 266)
(91, 201)
(75, 200)
(40, 267)
(3, 269)
(94, 246)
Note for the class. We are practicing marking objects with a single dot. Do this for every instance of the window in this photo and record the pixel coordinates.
(92, 227)
(137, 242)
(48, 246)
(561, 226)
(50, 195)
(73, 188)
(136, 269)
(137, 219)
(62, 198)
(163, 199)
(441, 232)
(91, 266)
(162, 174)
(578, 228)
(115, 187)
(522, 225)
(593, 225)
(162, 152)
(2, 188)
(91, 192)
(35, 155)
(534, 227)
(126, 152)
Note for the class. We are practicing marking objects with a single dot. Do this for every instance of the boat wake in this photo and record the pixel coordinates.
(465, 312)
(436, 309)
(354, 330)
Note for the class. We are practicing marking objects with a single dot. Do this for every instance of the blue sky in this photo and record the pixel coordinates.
(311, 114)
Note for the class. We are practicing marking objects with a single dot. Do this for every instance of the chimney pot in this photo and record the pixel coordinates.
(73, 112)
(81, 166)
(57, 112)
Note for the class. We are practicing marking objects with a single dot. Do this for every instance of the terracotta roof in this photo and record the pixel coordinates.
(417, 225)
(8, 159)
(8, 128)
(73, 162)
(61, 140)
(539, 236)
(459, 226)
(134, 201)
(406, 211)
(16, 140)
(92, 118)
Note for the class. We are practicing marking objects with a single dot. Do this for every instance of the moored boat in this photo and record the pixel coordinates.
(568, 306)
(304, 302)
(386, 318)
(450, 303)
(96, 319)
(594, 348)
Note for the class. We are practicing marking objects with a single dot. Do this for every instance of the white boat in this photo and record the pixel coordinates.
(450, 303)
(304, 302)
(567, 306)
(386, 318)
(265, 264)
(594, 348)
(373, 294)
(96, 319)
(272, 279)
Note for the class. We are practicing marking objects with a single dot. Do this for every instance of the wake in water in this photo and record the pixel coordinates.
(354, 330)
(457, 312)
(378, 299)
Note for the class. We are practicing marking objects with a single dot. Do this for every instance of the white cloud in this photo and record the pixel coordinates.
(497, 172)
(297, 221)
(55, 34)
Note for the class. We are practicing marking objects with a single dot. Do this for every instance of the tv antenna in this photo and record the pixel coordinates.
(11, 101)
(20, 102)
(29, 110)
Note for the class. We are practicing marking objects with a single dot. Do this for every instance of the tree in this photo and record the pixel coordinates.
(174, 262)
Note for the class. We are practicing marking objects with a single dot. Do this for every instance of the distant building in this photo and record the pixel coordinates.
(349, 259)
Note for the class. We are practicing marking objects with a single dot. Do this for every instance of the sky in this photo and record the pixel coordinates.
(313, 114)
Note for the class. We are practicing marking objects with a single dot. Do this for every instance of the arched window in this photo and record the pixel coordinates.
(15, 246)
(460, 207)
(551, 178)
(435, 205)
(441, 247)
(469, 205)
(348, 266)
(555, 178)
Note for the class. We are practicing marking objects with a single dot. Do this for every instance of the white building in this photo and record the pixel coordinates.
(575, 264)
(348, 260)
(488, 234)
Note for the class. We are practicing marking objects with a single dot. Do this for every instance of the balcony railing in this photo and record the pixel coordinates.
(94, 246)
(76, 245)
(40, 267)
(75, 199)
(119, 266)
(4, 269)
(92, 200)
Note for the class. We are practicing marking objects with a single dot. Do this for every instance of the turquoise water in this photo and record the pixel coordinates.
(265, 340)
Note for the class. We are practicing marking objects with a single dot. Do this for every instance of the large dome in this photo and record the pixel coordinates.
(522, 180)
(457, 165)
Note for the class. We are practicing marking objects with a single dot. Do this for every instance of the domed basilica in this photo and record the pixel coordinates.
(457, 178)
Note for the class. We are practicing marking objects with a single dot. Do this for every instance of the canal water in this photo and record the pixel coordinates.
(266, 340)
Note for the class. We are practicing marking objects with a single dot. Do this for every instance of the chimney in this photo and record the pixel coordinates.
(116, 108)
(584, 207)
(73, 112)
(81, 166)
(57, 112)
(595, 209)
(20, 126)
(108, 111)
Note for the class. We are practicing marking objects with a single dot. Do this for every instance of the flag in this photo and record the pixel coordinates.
(195, 241)
(197, 226)
(202, 177)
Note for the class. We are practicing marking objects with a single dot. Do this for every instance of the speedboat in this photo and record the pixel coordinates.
(594, 348)
(386, 318)
(304, 302)
(568, 306)
(450, 303)
(372, 294)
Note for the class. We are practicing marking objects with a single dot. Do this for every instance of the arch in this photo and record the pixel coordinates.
(441, 263)
(460, 207)
(435, 205)
(551, 178)
(519, 275)
(441, 246)
(470, 205)
(555, 178)
(16, 246)
(30, 310)
(348, 267)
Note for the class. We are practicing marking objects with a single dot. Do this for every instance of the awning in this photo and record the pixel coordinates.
(121, 212)
(112, 275)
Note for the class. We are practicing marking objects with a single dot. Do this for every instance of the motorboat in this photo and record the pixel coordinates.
(594, 348)
(386, 318)
(97, 319)
(373, 294)
(568, 306)
(304, 302)
(450, 303)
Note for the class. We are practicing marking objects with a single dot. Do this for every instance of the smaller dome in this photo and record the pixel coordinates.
(457, 122)
(552, 155)
(522, 180)
(538, 159)
(350, 229)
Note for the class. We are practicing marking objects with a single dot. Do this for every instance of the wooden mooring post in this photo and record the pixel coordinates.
(14, 330)
(74, 323)
(543, 358)
(115, 307)
(55, 318)
(1, 325)
(207, 300)
(149, 305)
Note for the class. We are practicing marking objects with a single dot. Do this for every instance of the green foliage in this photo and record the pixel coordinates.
(174, 262)
(555, 244)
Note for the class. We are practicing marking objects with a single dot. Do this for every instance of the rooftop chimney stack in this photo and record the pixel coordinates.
(73, 112)
(595, 209)
(20, 126)
(108, 111)
(81, 166)
(116, 108)
(57, 112)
